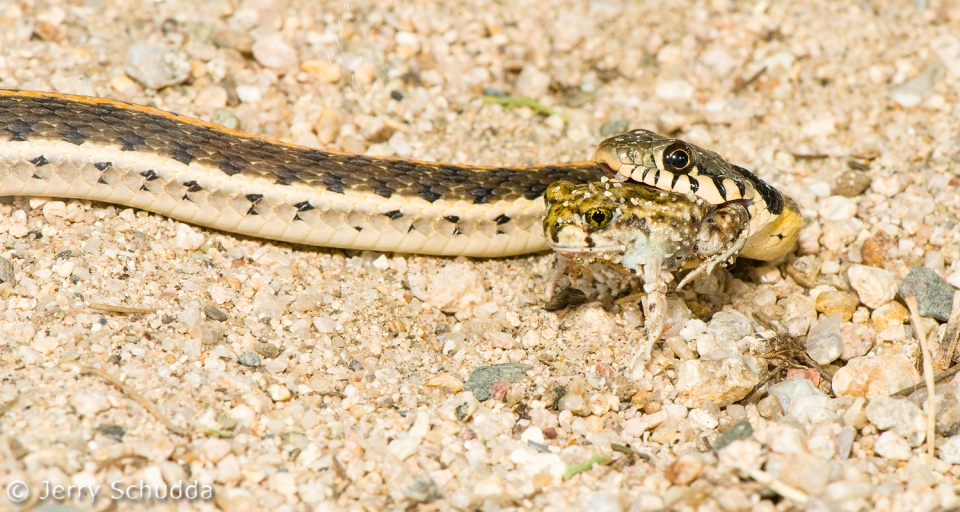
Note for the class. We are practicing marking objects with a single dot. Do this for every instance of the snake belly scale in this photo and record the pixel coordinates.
(58, 145)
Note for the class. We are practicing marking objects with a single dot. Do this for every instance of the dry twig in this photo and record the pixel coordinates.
(136, 397)
(126, 310)
(927, 373)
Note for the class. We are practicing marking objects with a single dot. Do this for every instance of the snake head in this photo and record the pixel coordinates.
(627, 224)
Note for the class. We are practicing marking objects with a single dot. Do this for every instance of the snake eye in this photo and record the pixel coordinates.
(597, 218)
(677, 157)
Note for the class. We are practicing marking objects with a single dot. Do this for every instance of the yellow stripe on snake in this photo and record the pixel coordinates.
(58, 145)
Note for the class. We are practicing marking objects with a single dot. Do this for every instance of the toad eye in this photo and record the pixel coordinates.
(598, 218)
(677, 157)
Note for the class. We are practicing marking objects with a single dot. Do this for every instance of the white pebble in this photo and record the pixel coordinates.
(875, 286)
(891, 446)
(89, 404)
(324, 324)
(249, 93)
(676, 89)
(837, 208)
(275, 53)
(156, 66)
(188, 238)
(950, 450)
(278, 393)
(215, 449)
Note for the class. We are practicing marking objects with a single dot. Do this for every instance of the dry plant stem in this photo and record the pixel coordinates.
(944, 375)
(950, 336)
(114, 308)
(927, 374)
(136, 397)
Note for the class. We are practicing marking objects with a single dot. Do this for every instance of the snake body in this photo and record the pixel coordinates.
(58, 145)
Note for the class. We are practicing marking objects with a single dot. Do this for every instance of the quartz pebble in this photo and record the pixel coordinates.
(685, 469)
(156, 66)
(722, 381)
(899, 415)
(949, 451)
(871, 376)
(875, 286)
(454, 288)
(729, 327)
(275, 53)
(891, 445)
(791, 390)
(824, 343)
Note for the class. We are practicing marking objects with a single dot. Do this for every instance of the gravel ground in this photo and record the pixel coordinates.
(139, 353)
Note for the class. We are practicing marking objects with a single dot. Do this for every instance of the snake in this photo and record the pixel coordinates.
(67, 146)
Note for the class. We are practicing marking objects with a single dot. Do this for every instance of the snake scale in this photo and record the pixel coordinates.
(58, 145)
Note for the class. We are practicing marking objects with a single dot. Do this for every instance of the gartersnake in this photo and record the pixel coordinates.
(66, 146)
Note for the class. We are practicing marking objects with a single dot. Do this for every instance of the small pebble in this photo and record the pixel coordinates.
(806, 472)
(214, 313)
(225, 421)
(949, 451)
(225, 118)
(934, 295)
(837, 303)
(531, 82)
(769, 408)
(790, 390)
(837, 208)
(871, 376)
(685, 469)
(459, 408)
(278, 393)
(325, 71)
(7, 271)
(611, 128)
(156, 67)
(445, 381)
(877, 249)
(851, 183)
(737, 432)
(249, 359)
(913, 91)
(422, 489)
(824, 343)
(211, 333)
(482, 379)
(891, 446)
(267, 350)
(676, 89)
(729, 327)
(575, 398)
(875, 286)
(275, 53)
(888, 413)
(722, 381)
(890, 314)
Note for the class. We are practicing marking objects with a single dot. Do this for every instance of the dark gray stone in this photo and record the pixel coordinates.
(482, 379)
(934, 295)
